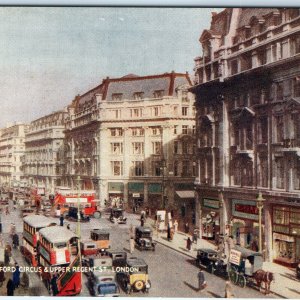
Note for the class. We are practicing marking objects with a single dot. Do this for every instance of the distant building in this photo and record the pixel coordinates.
(44, 157)
(247, 90)
(12, 147)
(132, 139)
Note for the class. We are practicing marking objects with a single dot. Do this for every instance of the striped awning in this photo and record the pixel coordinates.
(186, 194)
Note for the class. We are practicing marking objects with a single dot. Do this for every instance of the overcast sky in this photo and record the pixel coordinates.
(48, 55)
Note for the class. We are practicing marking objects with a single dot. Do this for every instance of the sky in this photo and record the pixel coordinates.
(48, 55)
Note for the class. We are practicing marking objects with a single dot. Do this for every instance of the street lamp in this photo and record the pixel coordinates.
(260, 204)
(78, 207)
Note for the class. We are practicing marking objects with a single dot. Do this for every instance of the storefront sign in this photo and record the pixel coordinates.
(244, 209)
(136, 195)
(235, 257)
(116, 187)
(283, 237)
(211, 203)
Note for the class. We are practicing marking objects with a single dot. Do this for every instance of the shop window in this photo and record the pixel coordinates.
(281, 216)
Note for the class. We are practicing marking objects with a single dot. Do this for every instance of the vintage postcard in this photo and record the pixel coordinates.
(150, 152)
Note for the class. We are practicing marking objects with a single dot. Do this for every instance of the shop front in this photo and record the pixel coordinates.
(210, 220)
(135, 195)
(115, 194)
(244, 225)
(154, 197)
(286, 235)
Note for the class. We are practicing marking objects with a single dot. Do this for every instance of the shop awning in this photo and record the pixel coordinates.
(186, 194)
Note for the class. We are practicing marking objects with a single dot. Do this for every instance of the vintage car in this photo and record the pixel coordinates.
(143, 238)
(119, 257)
(103, 286)
(117, 215)
(73, 215)
(88, 248)
(101, 238)
(135, 276)
(98, 264)
(206, 258)
(298, 271)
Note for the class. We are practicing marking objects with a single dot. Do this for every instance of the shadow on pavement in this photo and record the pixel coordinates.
(214, 295)
(289, 276)
(191, 286)
(192, 262)
(184, 249)
(295, 291)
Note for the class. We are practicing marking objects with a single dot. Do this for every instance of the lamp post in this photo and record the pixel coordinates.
(260, 204)
(78, 207)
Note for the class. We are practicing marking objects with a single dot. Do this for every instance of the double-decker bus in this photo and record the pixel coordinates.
(64, 198)
(56, 257)
(32, 224)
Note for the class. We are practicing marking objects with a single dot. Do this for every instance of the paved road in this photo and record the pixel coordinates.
(172, 274)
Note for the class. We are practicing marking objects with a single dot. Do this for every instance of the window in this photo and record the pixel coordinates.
(194, 129)
(116, 131)
(138, 167)
(156, 130)
(295, 45)
(175, 129)
(262, 57)
(296, 174)
(158, 93)
(116, 113)
(156, 147)
(263, 130)
(296, 87)
(279, 91)
(176, 147)
(135, 112)
(138, 95)
(176, 168)
(185, 129)
(185, 168)
(156, 111)
(263, 171)
(117, 97)
(234, 67)
(117, 148)
(156, 168)
(279, 128)
(134, 131)
(185, 147)
(184, 110)
(185, 96)
(138, 148)
(117, 168)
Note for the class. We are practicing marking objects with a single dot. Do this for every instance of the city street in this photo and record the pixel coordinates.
(172, 274)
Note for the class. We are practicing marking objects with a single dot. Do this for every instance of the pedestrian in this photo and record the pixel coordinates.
(10, 287)
(147, 212)
(142, 219)
(25, 280)
(228, 290)
(61, 220)
(69, 226)
(169, 232)
(175, 226)
(2, 274)
(15, 239)
(16, 276)
(186, 227)
(188, 244)
(53, 284)
(0, 221)
(7, 210)
(195, 235)
(201, 280)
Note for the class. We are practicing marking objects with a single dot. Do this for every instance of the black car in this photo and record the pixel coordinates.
(73, 215)
(206, 258)
(143, 238)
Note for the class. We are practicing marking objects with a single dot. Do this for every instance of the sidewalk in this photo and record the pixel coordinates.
(286, 284)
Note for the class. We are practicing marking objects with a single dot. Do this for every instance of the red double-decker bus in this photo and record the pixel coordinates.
(56, 256)
(32, 224)
(64, 198)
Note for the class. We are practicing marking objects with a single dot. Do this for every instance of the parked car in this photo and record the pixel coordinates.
(206, 258)
(103, 286)
(117, 215)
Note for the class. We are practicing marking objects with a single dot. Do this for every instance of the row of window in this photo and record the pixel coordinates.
(137, 95)
(179, 168)
(155, 130)
(155, 111)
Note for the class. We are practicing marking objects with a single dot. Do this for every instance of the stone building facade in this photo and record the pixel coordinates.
(43, 162)
(132, 140)
(12, 148)
(247, 87)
